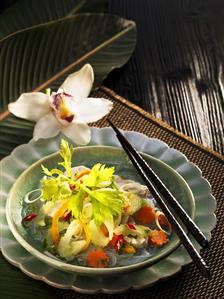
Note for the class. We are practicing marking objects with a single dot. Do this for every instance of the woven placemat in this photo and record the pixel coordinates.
(188, 283)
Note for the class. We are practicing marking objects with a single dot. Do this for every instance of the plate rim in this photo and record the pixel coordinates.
(179, 252)
(80, 269)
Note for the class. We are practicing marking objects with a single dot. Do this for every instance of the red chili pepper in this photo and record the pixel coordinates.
(117, 242)
(30, 217)
(72, 187)
(67, 214)
(131, 226)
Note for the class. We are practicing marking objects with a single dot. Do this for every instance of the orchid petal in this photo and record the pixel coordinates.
(46, 127)
(78, 133)
(91, 109)
(79, 84)
(31, 106)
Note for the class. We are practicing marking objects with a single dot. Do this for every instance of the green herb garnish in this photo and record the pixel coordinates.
(98, 186)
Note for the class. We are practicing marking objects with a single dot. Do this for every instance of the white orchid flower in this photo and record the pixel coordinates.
(67, 111)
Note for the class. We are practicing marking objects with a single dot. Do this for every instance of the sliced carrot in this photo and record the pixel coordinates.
(82, 173)
(54, 228)
(97, 259)
(157, 238)
(145, 215)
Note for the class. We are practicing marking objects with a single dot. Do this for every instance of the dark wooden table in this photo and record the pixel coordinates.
(175, 73)
(177, 70)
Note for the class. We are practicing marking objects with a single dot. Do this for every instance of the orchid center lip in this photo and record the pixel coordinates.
(69, 119)
(62, 107)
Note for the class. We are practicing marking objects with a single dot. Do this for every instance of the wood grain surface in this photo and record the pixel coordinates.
(177, 70)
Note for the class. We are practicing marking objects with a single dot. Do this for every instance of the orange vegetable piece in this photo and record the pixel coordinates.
(145, 215)
(157, 238)
(129, 249)
(97, 259)
(104, 230)
(82, 173)
(54, 228)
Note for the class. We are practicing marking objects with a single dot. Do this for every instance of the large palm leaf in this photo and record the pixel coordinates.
(43, 55)
(27, 13)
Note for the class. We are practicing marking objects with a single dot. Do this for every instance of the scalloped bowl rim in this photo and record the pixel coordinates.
(81, 269)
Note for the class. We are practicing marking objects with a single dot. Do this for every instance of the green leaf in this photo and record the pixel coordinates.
(101, 213)
(76, 203)
(52, 171)
(97, 212)
(107, 202)
(109, 198)
(42, 57)
(49, 188)
(27, 13)
(13, 132)
(55, 188)
(66, 152)
(100, 176)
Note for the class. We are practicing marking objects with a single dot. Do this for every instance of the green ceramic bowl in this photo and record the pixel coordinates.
(30, 179)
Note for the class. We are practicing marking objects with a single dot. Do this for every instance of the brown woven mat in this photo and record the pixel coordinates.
(188, 283)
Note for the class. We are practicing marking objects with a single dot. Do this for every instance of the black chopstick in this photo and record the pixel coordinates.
(199, 262)
(191, 226)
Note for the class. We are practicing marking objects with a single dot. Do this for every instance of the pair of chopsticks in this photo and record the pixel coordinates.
(159, 192)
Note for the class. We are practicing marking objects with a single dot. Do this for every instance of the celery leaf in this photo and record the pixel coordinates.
(66, 152)
(55, 188)
(76, 203)
(100, 176)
